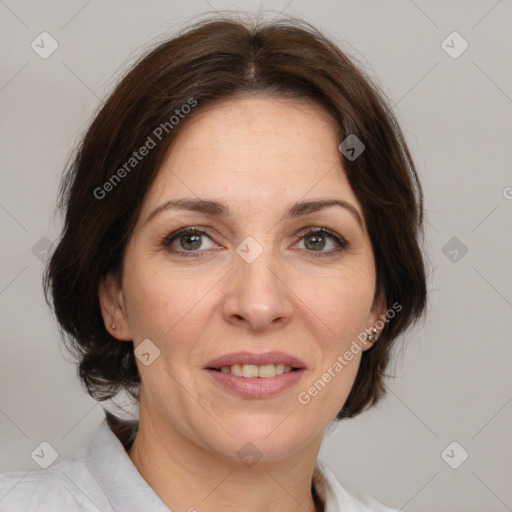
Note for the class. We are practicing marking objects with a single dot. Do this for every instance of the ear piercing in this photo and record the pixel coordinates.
(373, 336)
(114, 327)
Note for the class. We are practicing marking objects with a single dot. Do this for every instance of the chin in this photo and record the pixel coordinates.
(263, 437)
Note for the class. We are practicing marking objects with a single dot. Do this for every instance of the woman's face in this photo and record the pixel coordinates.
(251, 276)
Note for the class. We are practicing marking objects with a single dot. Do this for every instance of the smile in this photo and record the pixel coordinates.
(255, 375)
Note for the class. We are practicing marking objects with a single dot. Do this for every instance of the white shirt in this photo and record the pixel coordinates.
(102, 478)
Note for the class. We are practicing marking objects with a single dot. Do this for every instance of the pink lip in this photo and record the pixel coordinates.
(256, 387)
(257, 359)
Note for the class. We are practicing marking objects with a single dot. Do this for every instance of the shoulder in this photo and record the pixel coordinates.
(336, 497)
(66, 485)
(31, 491)
(363, 503)
(88, 481)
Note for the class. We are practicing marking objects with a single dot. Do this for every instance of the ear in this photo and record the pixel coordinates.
(376, 319)
(113, 309)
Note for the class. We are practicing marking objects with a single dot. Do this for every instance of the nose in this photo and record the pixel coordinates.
(256, 295)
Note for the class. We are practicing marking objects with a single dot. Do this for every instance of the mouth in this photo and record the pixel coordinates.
(256, 375)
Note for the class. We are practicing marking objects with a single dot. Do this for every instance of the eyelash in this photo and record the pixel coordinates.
(340, 241)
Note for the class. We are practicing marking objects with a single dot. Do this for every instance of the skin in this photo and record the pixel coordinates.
(258, 155)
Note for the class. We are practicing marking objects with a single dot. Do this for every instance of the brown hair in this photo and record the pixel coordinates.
(213, 61)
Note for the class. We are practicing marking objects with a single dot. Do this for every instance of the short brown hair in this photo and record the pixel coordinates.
(212, 61)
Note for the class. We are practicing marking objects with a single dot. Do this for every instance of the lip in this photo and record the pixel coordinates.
(260, 359)
(256, 387)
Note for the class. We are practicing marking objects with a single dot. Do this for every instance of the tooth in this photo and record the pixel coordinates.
(264, 371)
(279, 369)
(236, 369)
(267, 370)
(249, 370)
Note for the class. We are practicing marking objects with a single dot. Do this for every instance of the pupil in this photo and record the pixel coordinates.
(318, 242)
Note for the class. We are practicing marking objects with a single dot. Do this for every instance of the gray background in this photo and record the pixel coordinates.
(452, 374)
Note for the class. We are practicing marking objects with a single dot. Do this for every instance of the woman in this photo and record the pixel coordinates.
(241, 248)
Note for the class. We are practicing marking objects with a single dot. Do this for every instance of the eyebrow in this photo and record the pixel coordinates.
(218, 209)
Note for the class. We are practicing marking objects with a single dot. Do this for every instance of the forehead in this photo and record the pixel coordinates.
(268, 150)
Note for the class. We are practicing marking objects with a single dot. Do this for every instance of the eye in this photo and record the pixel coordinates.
(192, 241)
(322, 241)
(188, 240)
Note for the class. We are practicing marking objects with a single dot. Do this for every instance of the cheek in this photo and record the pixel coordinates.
(340, 314)
(164, 304)
(338, 305)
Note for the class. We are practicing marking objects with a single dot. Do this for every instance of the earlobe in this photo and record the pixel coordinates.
(376, 322)
(112, 308)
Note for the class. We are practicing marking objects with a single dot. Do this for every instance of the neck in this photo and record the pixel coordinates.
(190, 478)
